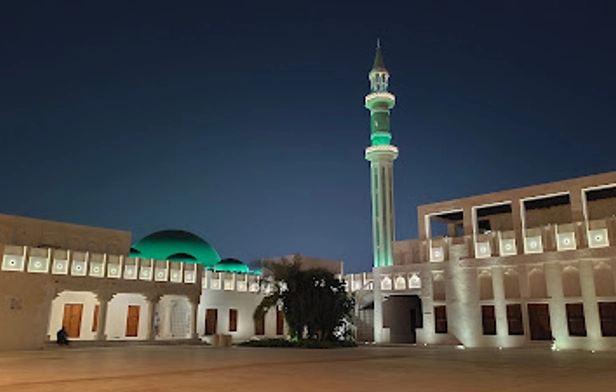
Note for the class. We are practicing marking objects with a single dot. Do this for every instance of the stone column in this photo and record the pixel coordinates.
(103, 303)
(469, 229)
(500, 306)
(194, 303)
(153, 300)
(378, 308)
(591, 308)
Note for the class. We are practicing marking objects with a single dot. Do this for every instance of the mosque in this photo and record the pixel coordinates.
(529, 267)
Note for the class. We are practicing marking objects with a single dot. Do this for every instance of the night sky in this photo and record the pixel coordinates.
(244, 122)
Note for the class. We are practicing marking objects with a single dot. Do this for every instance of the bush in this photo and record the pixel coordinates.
(306, 343)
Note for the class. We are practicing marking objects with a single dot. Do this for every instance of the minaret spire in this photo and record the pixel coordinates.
(381, 155)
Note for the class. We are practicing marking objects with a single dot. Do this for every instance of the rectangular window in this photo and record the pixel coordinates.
(575, 319)
(514, 319)
(440, 319)
(607, 314)
(539, 322)
(232, 320)
(488, 320)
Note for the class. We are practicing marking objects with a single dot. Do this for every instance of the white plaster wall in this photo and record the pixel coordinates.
(117, 313)
(245, 303)
(89, 302)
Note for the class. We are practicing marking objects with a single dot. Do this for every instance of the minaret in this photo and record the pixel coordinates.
(381, 155)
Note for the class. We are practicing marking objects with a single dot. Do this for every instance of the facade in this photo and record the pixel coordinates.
(528, 267)
(101, 297)
(531, 266)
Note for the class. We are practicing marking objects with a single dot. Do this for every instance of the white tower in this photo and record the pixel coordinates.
(381, 155)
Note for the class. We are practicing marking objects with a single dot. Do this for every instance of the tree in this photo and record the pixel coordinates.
(314, 302)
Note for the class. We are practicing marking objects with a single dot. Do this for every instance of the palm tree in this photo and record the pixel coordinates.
(314, 302)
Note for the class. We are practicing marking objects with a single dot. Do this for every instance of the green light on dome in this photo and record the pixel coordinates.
(176, 246)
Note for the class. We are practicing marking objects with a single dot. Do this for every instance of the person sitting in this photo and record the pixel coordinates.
(62, 337)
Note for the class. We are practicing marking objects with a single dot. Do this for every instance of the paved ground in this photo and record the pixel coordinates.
(374, 369)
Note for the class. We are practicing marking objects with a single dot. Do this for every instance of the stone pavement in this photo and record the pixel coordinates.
(374, 369)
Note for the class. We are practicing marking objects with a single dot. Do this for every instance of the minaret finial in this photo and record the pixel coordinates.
(378, 42)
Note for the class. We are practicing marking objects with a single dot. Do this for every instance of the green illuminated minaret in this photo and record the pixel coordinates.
(381, 155)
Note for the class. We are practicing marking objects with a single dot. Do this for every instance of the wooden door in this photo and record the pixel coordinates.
(211, 321)
(260, 327)
(539, 322)
(280, 322)
(72, 319)
(132, 321)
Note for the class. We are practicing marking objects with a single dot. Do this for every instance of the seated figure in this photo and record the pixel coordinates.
(62, 337)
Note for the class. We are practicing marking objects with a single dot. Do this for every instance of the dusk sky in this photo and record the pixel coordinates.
(243, 122)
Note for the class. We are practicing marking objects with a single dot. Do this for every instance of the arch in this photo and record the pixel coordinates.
(571, 282)
(386, 283)
(400, 283)
(76, 311)
(604, 280)
(486, 288)
(512, 284)
(414, 282)
(128, 313)
(173, 317)
(536, 283)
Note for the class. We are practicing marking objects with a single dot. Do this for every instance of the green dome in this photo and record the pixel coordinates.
(176, 245)
(231, 265)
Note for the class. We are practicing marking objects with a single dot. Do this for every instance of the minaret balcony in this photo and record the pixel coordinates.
(381, 150)
(378, 97)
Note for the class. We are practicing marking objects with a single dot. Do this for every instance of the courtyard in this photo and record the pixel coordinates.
(366, 368)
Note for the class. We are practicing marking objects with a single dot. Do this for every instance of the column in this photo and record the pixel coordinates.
(153, 300)
(591, 308)
(194, 303)
(500, 306)
(378, 308)
(103, 304)
(468, 221)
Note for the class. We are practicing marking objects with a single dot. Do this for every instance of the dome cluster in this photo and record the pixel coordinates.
(182, 246)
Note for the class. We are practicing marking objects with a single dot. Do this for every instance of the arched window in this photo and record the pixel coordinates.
(512, 284)
(604, 280)
(571, 282)
(536, 282)
(438, 287)
(486, 289)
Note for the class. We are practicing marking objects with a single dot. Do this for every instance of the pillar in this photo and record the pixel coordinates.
(153, 300)
(194, 303)
(103, 304)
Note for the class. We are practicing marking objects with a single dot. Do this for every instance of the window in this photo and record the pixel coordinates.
(232, 320)
(488, 320)
(440, 319)
(607, 314)
(575, 319)
(514, 319)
